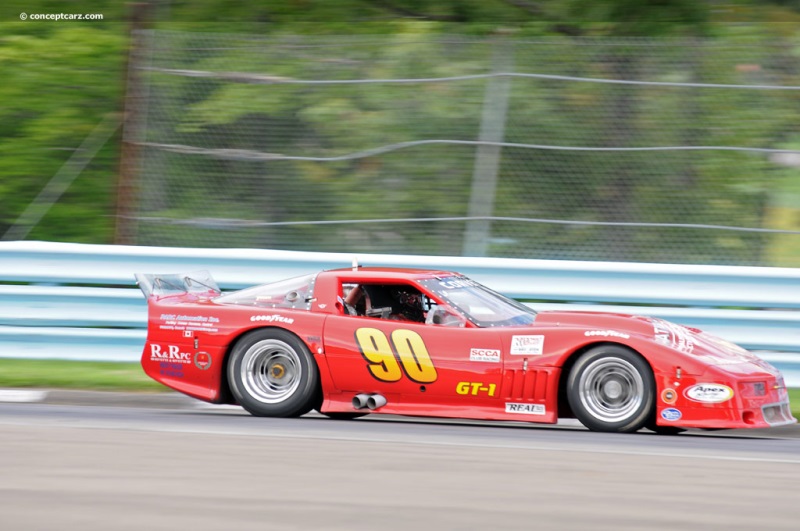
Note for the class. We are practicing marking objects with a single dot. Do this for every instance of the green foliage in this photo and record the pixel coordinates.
(58, 85)
(108, 376)
(61, 78)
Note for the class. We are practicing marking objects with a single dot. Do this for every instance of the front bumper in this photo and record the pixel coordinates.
(741, 410)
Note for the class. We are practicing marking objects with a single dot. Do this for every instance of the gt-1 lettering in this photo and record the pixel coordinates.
(473, 388)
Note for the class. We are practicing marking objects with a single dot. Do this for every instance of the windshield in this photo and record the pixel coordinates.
(293, 293)
(482, 306)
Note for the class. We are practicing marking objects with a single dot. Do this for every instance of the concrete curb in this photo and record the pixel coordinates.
(166, 400)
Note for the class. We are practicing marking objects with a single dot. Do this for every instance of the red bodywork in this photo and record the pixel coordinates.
(701, 381)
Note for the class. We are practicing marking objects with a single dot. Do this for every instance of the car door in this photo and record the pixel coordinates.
(415, 361)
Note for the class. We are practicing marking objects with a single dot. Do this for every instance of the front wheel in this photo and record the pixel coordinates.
(611, 388)
(272, 374)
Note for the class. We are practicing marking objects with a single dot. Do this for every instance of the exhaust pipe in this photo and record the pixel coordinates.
(360, 401)
(376, 401)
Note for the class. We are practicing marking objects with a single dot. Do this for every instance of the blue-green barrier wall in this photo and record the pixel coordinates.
(76, 301)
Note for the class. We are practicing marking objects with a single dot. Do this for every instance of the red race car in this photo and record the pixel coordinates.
(349, 342)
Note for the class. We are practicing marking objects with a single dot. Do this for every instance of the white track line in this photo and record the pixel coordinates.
(22, 395)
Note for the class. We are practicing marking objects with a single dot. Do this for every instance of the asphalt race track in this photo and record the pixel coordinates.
(191, 467)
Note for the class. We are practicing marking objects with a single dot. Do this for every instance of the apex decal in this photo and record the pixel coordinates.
(709, 393)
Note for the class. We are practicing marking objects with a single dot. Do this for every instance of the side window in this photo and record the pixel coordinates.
(400, 302)
(444, 315)
(353, 299)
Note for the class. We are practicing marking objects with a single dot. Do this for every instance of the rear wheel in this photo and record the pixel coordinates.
(610, 388)
(272, 374)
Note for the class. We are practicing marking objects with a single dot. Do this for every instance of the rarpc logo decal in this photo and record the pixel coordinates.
(170, 353)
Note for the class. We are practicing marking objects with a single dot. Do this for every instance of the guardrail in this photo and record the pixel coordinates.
(77, 301)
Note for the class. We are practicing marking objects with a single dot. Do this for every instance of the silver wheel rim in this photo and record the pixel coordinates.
(271, 371)
(611, 389)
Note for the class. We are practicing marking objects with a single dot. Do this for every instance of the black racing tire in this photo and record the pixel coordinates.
(611, 388)
(273, 374)
(344, 415)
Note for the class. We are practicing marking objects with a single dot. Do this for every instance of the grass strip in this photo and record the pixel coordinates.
(90, 375)
(115, 376)
(794, 400)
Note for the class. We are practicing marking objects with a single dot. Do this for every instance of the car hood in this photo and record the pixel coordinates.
(690, 341)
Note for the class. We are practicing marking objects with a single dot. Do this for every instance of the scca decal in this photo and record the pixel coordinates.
(382, 358)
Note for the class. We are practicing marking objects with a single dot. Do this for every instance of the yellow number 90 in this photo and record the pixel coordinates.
(383, 365)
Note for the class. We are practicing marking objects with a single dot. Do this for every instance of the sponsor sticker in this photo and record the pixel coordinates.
(484, 354)
(274, 318)
(709, 393)
(527, 345)
(672, 335)
(525, 409)
(669, 396)
(188, 323)
(456, 282)
(202, 360)
(170, 353)
(605, 333)
(171, 370)
(671, 414)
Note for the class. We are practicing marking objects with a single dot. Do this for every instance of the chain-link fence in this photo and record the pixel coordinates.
(625, 150)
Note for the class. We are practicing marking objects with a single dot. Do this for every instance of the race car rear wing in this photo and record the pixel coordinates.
(198, 283)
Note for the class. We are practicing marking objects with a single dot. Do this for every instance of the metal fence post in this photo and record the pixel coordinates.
(133, 129)
(487, 157)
